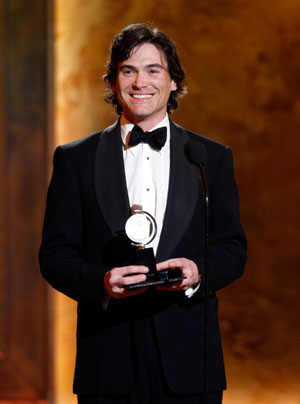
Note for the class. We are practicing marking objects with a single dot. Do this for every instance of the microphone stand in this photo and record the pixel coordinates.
(202, 176)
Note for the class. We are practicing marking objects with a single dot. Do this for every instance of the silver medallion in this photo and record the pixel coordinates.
(141, 228)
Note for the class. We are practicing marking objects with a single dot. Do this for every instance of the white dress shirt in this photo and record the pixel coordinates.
(147, 175)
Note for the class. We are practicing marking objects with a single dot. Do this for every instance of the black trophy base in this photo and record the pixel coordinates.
(153, 277)
(165, 277)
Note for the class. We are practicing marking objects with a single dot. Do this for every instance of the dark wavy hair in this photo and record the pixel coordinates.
(135, 35)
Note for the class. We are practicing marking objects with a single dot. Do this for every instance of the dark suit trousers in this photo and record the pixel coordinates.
(150, 386)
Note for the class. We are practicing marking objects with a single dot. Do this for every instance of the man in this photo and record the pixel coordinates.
(144, 345)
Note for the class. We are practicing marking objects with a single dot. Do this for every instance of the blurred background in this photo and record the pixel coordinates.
(242, 60)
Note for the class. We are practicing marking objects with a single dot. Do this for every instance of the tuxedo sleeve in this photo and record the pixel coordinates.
(60, 255)
(227, 240)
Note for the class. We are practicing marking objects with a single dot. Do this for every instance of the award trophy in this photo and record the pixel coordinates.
(141, 229)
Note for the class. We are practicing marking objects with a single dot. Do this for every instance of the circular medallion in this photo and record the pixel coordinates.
(141, 228)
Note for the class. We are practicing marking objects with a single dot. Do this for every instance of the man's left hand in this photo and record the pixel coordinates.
(189, 270)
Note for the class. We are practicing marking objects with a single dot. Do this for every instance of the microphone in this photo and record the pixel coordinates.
(196, 154)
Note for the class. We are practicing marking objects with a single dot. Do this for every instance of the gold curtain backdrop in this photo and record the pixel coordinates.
(243, 75)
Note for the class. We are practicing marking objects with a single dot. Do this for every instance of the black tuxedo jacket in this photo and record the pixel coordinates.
(87, 207)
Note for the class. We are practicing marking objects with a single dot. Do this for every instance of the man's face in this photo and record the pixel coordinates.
(143, 86)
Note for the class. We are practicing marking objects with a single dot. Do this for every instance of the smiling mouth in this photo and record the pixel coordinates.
(141, 96)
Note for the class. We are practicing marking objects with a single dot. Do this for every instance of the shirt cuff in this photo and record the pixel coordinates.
(191, 291)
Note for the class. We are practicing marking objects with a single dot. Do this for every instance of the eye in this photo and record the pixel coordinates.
(154, 70)
(127, 72)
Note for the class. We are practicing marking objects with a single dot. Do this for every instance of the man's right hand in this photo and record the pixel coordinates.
(117, 278)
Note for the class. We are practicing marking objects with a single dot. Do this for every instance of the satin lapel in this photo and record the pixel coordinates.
(182, 197)
(110, 181)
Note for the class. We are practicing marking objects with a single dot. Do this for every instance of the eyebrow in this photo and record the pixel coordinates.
(157, 65)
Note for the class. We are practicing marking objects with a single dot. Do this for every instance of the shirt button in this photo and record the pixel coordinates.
(148, 189)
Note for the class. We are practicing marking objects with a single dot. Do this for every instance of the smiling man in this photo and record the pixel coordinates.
(143, 86)
(146, 345)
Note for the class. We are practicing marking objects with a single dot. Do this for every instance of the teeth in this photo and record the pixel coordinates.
(141, 95)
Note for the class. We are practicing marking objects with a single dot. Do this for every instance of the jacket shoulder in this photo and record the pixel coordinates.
(84, 147)
(83, 143)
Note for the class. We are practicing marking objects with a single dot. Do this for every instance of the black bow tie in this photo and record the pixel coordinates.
(156, 139)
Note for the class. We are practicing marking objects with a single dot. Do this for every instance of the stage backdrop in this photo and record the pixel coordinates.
(243, 74)
(24, 327)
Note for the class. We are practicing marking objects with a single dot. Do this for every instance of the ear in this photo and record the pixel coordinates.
(113, 88)
(173, 85)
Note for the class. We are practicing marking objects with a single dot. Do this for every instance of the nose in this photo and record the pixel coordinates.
(139, 81)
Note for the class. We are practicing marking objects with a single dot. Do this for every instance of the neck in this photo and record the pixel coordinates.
(145, 124)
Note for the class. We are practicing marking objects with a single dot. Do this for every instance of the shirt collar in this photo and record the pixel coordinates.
(127, 126)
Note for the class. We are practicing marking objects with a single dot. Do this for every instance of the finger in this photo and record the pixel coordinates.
(132, 269)
(172, 263)
(165, 265)
(128, 280)
(162, 265)
(118, 282)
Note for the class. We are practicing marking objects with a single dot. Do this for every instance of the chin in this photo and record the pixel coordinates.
(139, 115)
